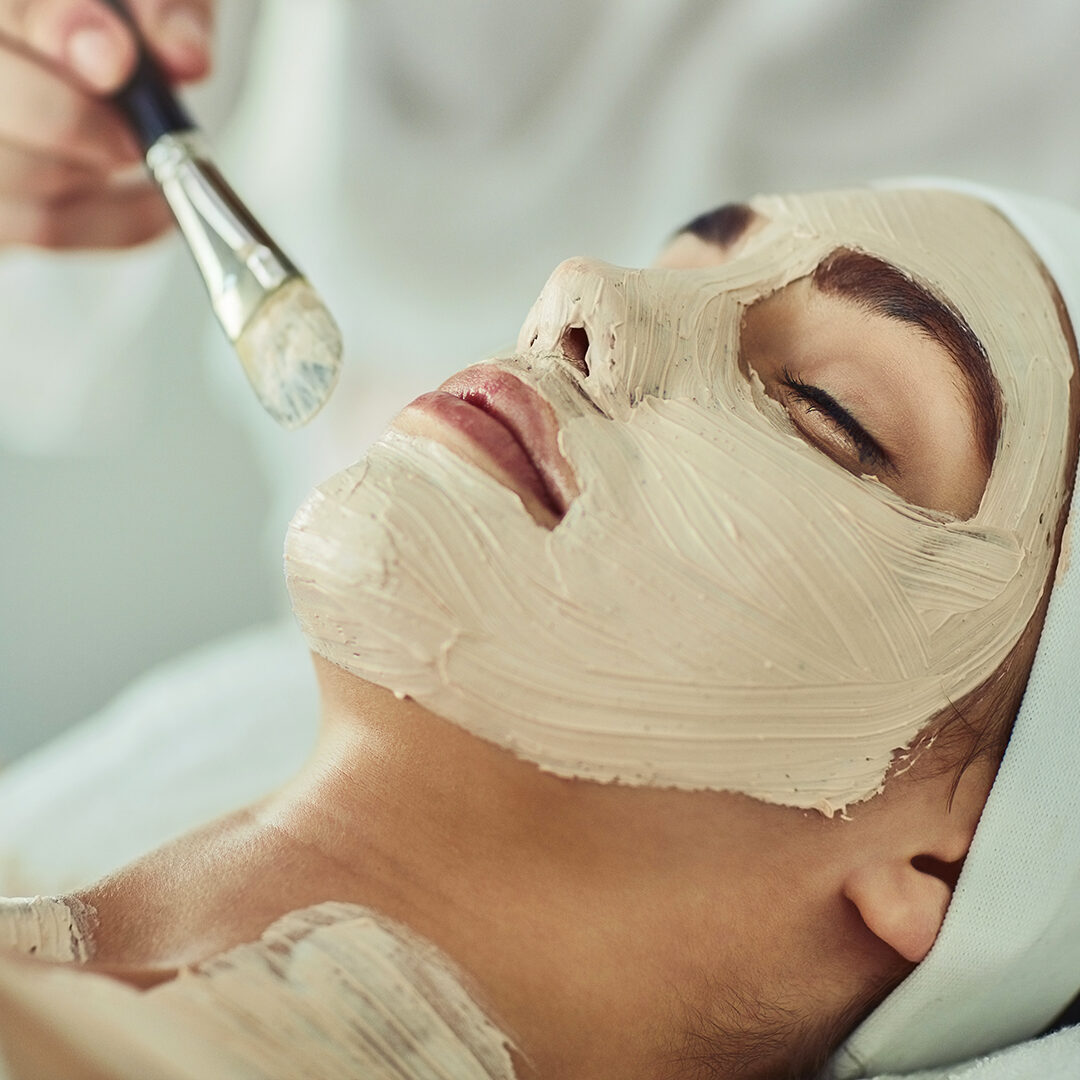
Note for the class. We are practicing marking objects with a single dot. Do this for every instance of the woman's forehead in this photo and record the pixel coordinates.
(907, 222)
(954, 246)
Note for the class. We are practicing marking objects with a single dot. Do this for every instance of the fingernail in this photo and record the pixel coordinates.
(95, 57)
(187, 25)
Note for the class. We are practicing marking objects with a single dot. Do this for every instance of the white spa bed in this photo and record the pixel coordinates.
(205, 734)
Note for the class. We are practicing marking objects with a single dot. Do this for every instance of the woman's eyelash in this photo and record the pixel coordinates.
(869, 451)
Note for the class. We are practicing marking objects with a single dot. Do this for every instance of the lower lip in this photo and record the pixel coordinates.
(486, 434)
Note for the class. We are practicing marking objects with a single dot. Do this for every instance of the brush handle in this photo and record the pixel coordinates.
(147, 99)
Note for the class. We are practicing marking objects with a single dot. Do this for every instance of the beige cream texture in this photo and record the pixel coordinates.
(46, 928)
(332, 992)
(722, 606)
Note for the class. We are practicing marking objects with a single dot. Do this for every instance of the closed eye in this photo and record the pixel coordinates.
(869, 452)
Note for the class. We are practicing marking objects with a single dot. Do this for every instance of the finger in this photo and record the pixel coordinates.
(40, 110)
(93, 42)
(178, 33)
(83, 37)
(25, 174)
(113, 218)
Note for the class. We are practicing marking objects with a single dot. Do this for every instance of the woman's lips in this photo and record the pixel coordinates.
(501, 425)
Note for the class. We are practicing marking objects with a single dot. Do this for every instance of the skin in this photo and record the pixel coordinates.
(577, 908)
(69, 167)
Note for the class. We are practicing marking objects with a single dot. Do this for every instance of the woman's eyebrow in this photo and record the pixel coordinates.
(881, 288)
(722, 226)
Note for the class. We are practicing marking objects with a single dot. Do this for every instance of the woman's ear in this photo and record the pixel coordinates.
(905, 865)
(900, 904)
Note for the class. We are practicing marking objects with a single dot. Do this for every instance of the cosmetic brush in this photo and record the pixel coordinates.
(287, 341)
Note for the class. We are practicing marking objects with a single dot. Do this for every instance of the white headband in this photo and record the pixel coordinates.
(1007, 960)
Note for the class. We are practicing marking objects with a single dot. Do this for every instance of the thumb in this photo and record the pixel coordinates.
(82, 36)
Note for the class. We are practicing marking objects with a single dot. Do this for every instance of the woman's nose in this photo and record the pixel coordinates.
(577, 313)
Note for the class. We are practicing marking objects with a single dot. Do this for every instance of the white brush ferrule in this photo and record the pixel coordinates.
(238, 261)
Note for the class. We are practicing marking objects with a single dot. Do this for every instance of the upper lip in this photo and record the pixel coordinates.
(527, 416)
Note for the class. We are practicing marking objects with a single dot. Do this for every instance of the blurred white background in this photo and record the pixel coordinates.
(427, 162)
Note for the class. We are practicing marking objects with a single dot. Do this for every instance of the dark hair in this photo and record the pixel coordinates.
(978, 726)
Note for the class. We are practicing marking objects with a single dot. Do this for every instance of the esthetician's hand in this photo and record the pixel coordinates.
(66, 157)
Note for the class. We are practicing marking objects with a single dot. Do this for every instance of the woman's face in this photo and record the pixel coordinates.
(745, 520)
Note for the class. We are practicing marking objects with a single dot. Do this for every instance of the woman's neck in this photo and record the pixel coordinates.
(573, 908)
(397, 811)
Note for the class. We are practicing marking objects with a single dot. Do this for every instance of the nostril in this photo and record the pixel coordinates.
(575, 345)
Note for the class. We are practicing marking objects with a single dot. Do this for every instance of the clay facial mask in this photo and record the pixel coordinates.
(47, 928)
(333, 990)
(722, 606)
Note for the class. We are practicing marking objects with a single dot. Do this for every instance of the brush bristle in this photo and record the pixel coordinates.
(291, 351)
